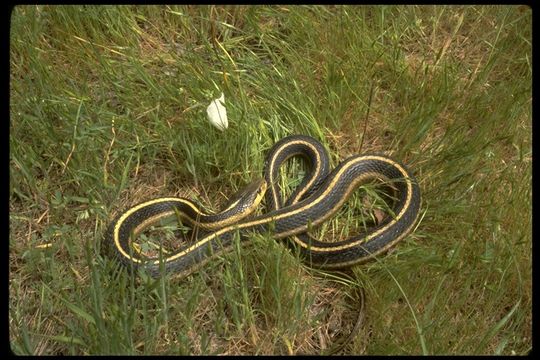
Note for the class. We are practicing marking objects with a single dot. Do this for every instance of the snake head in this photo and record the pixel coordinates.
(247, 199)
(252, 195)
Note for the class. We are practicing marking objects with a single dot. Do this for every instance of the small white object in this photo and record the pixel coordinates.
(217, 114)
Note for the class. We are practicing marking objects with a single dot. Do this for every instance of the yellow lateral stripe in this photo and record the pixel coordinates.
(287, 214)
(369, 236)
(155, 218)
(283, 147)
(222, 226)
(375, 253)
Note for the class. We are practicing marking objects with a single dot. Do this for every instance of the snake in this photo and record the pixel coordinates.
(318, 198)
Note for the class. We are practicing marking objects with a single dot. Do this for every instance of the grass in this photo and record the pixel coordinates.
(107, 107)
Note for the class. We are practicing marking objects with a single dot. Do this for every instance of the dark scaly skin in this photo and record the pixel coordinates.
(284, 222)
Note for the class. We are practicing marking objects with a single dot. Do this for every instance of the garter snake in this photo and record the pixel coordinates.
(320, 195)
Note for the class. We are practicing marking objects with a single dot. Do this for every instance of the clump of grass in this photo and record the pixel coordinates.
(107, 108)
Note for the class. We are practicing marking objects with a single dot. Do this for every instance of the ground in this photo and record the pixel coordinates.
(108, 108)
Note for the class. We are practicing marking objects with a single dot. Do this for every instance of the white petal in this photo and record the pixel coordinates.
(217, 114)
